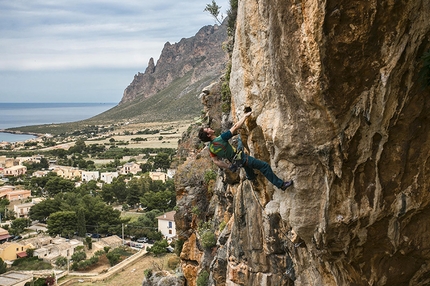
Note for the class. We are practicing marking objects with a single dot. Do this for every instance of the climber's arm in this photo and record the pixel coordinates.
(220, 163)
(238, 124)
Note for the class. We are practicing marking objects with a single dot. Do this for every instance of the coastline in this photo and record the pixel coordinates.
(20, 122)
(17, 132)
(20, 132)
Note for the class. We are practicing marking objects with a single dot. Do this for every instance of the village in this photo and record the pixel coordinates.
(37, 240)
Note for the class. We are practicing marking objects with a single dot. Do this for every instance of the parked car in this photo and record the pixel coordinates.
(15, 237)
(96, 235)
(142, 240)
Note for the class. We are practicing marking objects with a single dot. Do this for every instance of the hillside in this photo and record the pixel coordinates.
(169, 90)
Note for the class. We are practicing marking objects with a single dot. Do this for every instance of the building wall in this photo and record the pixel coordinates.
(15, 171)
(108, 177)
(8, 250)
(167, 227)
(88, 176)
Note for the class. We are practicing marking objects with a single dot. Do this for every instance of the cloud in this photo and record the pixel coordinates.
(45, 34)
(87, 51)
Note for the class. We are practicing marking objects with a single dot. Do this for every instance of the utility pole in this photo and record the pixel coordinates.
(122, 225)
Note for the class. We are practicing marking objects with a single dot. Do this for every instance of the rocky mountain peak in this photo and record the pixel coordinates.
(202, 55)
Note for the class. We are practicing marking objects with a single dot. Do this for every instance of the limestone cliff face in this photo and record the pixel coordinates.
(337, 107)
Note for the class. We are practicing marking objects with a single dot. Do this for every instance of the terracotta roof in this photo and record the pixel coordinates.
(22, 254)
(3, 231)
(5, 236)
(168, 216)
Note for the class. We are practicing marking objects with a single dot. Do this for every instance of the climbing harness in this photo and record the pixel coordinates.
(239, 158)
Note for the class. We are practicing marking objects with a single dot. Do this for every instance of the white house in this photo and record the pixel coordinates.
(166, 224)
(22, 210)
(88, 176)
(108, 177)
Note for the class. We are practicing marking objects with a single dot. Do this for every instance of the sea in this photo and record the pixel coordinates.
(25, 114)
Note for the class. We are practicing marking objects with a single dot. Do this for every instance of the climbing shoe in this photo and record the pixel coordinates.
(286, 184)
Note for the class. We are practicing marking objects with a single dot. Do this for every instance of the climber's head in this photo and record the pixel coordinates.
(205, 134)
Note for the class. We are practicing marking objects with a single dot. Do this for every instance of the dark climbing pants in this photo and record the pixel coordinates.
(250, 163)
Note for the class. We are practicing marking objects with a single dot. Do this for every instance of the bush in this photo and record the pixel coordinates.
(113, 258)
(208, 239)
(179, 243)
(61, 261)
(222, 225)
(3, 266)
(159, 247)
(79, 256)
(209, 176)
(147, 273)
(203, 278)
(173, 262)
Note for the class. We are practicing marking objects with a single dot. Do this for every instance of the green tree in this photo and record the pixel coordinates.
(30, 252)
(163, 200)
(146, 225)
(59, 153)
(79, 147)
(159, 247)
(162, 161)
(81, 222)
(62, 223)
(3, 266)
(89, 242)
(119, 189)
(57, 185)
(44, 209)
(88, 188)
(99, 217)
(19, 225)
(113, 258)
(214, 10)
(107, 194)
(146, 167)
(61, 261)
(3, 205)
(78, 256)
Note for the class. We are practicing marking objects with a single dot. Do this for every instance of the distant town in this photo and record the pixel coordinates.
(70, 201)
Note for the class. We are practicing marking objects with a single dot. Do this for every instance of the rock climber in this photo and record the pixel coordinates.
(220, 148)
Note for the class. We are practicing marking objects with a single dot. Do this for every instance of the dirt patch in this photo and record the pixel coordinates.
(133, 274)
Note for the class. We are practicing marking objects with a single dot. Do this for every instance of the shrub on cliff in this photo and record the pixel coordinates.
(208, 239)
(203, 278)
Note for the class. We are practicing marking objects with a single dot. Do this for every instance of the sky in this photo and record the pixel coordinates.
(87, 50)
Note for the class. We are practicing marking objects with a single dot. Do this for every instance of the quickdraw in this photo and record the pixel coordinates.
(239, 159)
